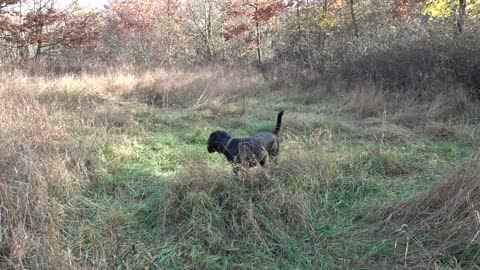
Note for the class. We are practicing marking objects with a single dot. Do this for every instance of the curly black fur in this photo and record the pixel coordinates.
(249, 151)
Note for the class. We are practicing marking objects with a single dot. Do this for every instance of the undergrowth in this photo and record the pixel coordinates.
(112, 171)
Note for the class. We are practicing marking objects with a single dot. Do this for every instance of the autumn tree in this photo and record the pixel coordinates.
(305, 27)
(250, 18)
(37, 27)
(6, 13)
(401, 8)
(151, 26)
(457, 10)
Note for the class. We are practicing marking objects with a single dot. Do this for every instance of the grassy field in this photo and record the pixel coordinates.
(111, 171)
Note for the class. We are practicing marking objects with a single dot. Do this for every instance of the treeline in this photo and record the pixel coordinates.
(400, 41)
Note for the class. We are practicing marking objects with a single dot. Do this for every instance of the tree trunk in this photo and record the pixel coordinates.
(210, 41)
(259, 55)
(38, 52)
(257, 36)
(39, 32)
(353, 17)
(461, 15)
(298, 17)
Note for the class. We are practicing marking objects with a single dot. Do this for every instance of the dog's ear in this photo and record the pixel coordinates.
(212, 143)
(215, 141)
(211, 148)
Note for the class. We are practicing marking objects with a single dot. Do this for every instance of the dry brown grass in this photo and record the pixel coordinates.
(411, 116)
(382, 131)
(453, 104)
(450, 113)
(366, 100)
(315, 165)
(53, 128)
(214, 205)
(33, 166)
(185, 88)
(440, 223)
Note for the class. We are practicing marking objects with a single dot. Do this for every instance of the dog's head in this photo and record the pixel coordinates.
(217, 140)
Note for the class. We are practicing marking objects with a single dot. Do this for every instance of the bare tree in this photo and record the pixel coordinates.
(461, 15)
(202, 23)
(353, 17)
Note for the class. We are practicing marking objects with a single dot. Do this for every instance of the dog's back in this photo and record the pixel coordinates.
(249, 151)
(257, 148)
(262, 145)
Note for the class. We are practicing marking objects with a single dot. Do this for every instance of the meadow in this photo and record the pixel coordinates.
(110, 170)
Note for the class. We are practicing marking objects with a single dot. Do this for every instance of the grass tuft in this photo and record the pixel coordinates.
(110, 170)
(441, 224)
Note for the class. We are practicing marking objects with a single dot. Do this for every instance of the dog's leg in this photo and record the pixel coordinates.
(274, 158)
(237, 169)
(267, 165)
(264, 162)
(264, 158)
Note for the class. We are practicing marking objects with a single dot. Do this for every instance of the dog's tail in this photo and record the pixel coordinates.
(279, 123)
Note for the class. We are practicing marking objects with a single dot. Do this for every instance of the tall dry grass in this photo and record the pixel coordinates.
(440, 226)
(234, 215)
(52, 130)
(33, 167)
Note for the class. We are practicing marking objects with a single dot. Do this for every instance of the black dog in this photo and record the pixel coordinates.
(250, 151)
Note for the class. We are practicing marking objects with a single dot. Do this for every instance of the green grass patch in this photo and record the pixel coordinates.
(164, 202)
